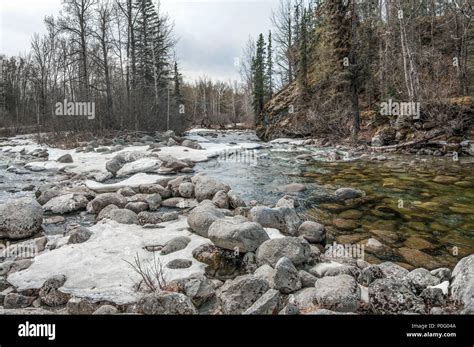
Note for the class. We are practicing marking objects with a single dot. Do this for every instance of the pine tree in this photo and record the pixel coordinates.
(303, 52)
(258, 71)
(269, 69)
(177, 79)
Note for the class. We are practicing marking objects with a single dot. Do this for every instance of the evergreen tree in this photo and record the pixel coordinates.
(303, 52)
(258, 71)
(177, 79)
(269, 69)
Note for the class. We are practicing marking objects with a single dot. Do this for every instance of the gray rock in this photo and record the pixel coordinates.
(126, 191)
(338, 293)
(67, 203)
(237, 234)
(239, 294)
(443, 273)
(200, 290)
(312, 231)
(66, 159)
(186, 190)
(221, 263)
(369, 274)
(390, 296)
(175, 244)
(105, 211)
(293, 188)
(307, 280)
(3, 284)
(79, 306)
(156, 217)
(419, 279)
(348, 193)
(191, 144)
(137, 207)
(462, 283)
(50, 293)
(267, 304)
(295, 249)
(106, 310)
(14, 300)
(286, 201)
(392, 270)
(166, 303)
(267, 273)
(206, 187)
(122, 216)
(235, 200)
(201, 217)
(221, 200)
(20, 219)
(333, 269)
(304, 299)
(179, 264)
(433, 297)
(154, 201)
(287, 279)
(103, 200)
(155, 189)
(282, 218)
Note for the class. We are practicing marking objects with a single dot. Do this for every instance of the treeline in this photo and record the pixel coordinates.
(119, 55)
(338, 58)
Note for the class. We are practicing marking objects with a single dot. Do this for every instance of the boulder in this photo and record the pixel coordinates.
(122, 216)
(307, 280)
(20, 219)
(338, 293)
(14, 300)
(348, 193)
(237, 234)
(239, 294)
(50, 293)
(65, 159)
(201, 217)
(166, 303)
(106, 310)
(175, 244)
(282, 218)
(103, 200)
(66, 203)
(267, 304)
(146, 217)
(137, 206)
(221, 200)
(419, 279)
(206, 187)
(392, 270)
(153, 201)
(293, 248)
(186, 190)
(179, 264)
(235, 200)
(312, 232)
(390, 296)
(191, 144)
(369, 274)
(462, 283)
(287, 279)
(221, 264)
(79, 235)
(199, 289)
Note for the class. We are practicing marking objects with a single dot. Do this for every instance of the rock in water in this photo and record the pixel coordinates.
(237, 234)
(103, 200)
(20, 219)
(313, 232)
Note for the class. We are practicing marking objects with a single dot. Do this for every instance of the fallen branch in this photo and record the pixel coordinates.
(407, 144)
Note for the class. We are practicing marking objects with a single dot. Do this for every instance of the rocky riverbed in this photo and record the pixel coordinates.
(220, 223)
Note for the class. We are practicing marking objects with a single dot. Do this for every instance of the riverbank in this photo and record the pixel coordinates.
(228, 233)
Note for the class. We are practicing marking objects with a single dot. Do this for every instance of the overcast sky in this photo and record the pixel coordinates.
(211, 33)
